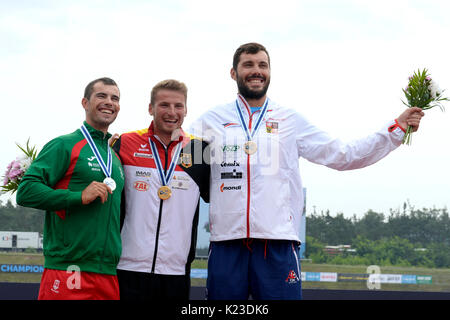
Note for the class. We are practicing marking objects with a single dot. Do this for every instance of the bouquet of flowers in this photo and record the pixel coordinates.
(17, 168)
(424, 93)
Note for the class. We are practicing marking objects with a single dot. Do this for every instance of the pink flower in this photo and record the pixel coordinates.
(14, 174)
(16, 165)
(16, 170)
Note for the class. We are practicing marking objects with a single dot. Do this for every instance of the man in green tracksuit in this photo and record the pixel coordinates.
(78, 180)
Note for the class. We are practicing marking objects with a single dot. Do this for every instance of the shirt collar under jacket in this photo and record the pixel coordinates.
(182, 138)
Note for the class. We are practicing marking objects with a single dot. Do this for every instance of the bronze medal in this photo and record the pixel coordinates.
(250, 147)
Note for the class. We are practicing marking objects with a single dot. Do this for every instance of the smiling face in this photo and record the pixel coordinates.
(252, 76)
(102, 107)
(168, 110)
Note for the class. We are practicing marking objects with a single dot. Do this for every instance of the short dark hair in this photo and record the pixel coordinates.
(249, 48)
(90, 87)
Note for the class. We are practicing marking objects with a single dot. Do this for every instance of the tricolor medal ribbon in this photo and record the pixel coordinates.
(106, 168)
(165, 192)
(250, 147)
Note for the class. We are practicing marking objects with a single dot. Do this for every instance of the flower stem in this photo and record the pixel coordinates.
(407, 139)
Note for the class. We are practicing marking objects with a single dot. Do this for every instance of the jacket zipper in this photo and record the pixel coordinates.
(158, 226)
(248, 181)
(157, 236)
(108, 223)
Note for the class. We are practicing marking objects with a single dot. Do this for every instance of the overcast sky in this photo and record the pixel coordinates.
(342, 64)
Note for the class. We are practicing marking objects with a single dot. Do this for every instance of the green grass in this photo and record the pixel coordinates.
(441, 277)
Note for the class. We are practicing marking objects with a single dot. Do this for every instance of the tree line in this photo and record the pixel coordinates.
(404, 237)
(17, 218)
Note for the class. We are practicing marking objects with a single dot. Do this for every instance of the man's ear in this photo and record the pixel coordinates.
(84, 103)
(150, 109)
(233, 74)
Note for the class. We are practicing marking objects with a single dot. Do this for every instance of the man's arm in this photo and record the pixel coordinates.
(206, 172)
(36, 188)
(318, 147)
(115, 142)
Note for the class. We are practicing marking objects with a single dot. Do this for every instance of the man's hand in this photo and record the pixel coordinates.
(411, 117)
(95, 190)
(113, 139)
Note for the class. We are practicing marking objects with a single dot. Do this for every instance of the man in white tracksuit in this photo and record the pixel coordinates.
(256, 197)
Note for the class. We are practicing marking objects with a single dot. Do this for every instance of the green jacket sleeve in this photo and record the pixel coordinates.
(49, 167)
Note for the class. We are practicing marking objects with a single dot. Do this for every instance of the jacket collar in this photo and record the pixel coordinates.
(96, 133)
(181, 138)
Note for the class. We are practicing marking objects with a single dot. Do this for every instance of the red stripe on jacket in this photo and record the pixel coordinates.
(64, 182)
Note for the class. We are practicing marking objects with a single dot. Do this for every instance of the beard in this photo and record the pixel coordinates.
(248, 93)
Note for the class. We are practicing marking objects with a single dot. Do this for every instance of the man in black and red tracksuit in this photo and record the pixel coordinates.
(165, 174)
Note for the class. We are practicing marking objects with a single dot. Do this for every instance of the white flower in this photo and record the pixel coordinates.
(25, 162)
(434, 89)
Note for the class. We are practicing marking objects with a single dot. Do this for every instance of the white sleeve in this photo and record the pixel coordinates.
(199, 129)
(319, 147)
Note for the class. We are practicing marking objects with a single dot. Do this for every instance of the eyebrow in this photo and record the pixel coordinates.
(255, 62)
(105, 94)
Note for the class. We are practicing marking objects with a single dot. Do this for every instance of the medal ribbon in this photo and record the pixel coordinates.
(259, 120)
(165, 178)
(106, 168)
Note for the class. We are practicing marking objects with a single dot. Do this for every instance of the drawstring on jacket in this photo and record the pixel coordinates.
(265, 248)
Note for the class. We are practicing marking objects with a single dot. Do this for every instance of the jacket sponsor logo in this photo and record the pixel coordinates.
(143, 155)
(231, 175)
(121, 172)
(230, 148)
(230, 164)
(55, 287)
(276, 119)
(186, 160)
(144, 147)
(93, 164)
(228, 188)
(180, 182)
(180, 178)
(143, 174)
(141, 185)
(292, 277)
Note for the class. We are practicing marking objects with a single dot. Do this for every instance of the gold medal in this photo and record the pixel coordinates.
(250, 147)
(164, 192)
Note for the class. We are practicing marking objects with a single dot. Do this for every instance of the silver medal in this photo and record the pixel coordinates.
(110, 183)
